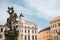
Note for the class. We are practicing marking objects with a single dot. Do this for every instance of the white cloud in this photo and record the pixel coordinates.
(48, 9)
(18, 9)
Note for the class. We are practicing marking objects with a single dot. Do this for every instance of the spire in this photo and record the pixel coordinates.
(21, 15)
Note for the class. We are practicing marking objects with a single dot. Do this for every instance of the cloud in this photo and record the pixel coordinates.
(47, 9)
(18, 9)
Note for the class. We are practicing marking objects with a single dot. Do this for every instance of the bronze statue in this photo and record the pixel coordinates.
(12, 19)
(12, 33)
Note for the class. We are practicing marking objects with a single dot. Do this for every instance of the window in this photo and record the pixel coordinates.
(28, 31)
(6, 29)
(32, 37)
(28, 37)
(25, 31)
(53, 31)
(25, 37)
(0, 36)
(55, 37)
(56, 30)
(48, 36)
(32, 31)
(32, 27)
(58, 24)
(1, 29)
(53, 25)
(36, 37)
(9, 22)
(59, 30)
(46, 31)
(21, 30)
(35, 31)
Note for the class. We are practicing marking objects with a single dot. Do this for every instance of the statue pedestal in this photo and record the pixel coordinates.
(11, 34)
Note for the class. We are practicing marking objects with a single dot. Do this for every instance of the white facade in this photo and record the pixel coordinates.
(27, 30)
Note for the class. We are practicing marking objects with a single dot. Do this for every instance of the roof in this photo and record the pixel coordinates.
(48, 28)
(56, 18)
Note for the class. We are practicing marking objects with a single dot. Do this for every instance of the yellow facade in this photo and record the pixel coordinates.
(44, 34)
(55, 28)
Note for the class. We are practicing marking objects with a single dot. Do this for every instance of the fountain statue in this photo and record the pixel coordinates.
(12, 33)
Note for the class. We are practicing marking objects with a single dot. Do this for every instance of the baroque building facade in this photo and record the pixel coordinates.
(27, 30)
(55, 28)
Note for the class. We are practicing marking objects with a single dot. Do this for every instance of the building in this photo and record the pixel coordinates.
(27, 30)
(55, 28)
(45, 34)
(1, 32)
(2, 28)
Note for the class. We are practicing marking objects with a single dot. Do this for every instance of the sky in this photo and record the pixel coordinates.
(38, 11)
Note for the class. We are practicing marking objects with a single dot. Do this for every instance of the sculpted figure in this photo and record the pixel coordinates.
(12, 19)
(12, 33)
